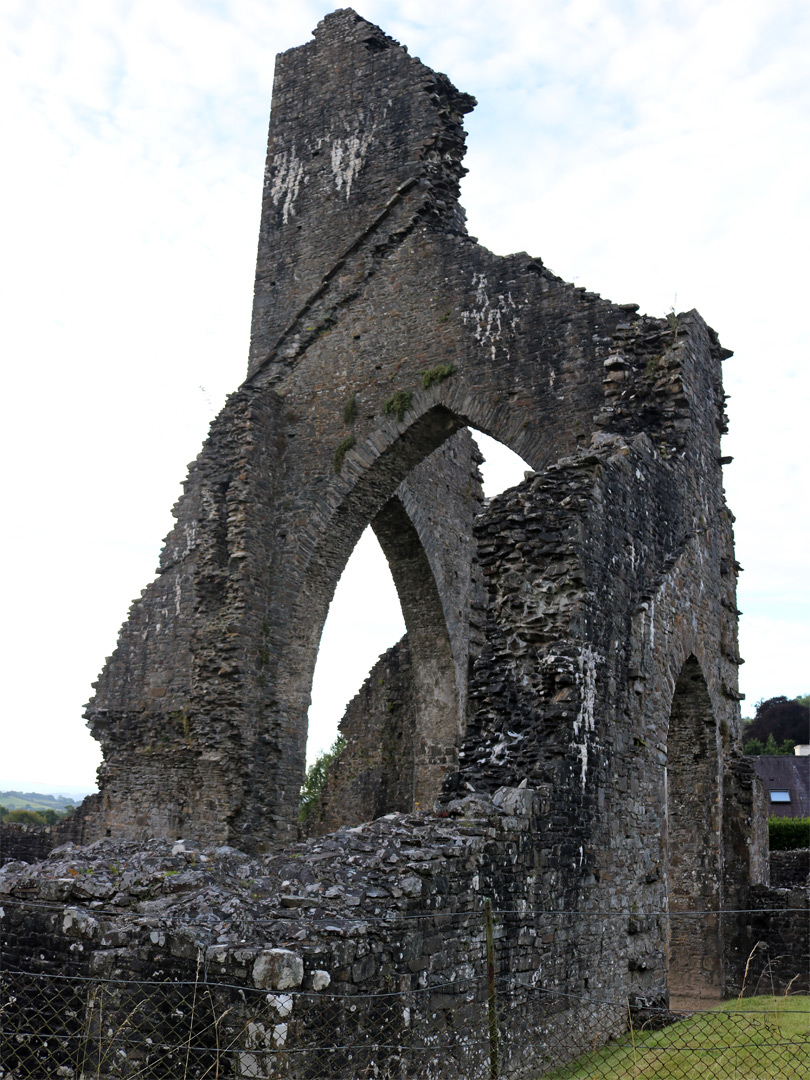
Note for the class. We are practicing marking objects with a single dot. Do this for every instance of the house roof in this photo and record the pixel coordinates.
(785, 773)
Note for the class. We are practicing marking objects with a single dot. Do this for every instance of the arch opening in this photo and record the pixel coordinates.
(403, 723)
(692, 842)
(502, 468)
(364, 621)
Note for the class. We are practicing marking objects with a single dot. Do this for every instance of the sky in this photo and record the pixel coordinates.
(654, 151)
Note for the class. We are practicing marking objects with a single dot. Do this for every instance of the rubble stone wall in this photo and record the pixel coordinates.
(567, 741)
(790, 869)
(394, 331)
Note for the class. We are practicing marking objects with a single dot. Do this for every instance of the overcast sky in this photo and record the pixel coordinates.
(654, 152)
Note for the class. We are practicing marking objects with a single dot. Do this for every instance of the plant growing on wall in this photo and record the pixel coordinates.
(398, 404)
(342, 449)
(436, 375)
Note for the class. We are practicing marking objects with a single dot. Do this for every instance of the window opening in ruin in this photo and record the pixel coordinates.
(502, 468)
(365, 619)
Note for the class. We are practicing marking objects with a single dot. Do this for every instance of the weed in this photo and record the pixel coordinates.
(350, 411)
(179, 719)
(342, 450)
(436, 375)
(398, 404)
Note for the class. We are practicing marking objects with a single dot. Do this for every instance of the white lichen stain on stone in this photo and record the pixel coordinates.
(585, 722)
(282, 1003)
(258, 1038)
(348, 156)
(489, 320)
(499, 753)
(287, 171)
(79, 922)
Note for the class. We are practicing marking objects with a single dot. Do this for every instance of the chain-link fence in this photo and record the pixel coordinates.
(490, 1022)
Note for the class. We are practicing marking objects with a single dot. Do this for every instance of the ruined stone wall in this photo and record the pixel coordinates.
(772, 942)
(373, 775)
(423, 331)
(202, 709)
(569, 682)
(392, 907)
(24, 843)
(790, 869)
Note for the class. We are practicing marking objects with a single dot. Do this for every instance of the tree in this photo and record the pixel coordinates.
(25, 817)
(316, 778)
(781, 718)
(771, 746)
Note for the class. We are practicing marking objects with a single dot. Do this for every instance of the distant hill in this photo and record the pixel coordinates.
(35, 800)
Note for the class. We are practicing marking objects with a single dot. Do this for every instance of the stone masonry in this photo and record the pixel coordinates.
(559, 730)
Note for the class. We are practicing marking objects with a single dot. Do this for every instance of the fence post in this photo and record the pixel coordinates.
(491, 999)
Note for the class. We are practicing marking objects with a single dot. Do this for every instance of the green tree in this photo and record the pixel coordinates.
(770, 746)
(316, 778)
(25, 817)
(782, 718)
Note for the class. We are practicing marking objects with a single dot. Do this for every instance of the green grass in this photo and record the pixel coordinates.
(759, 1038)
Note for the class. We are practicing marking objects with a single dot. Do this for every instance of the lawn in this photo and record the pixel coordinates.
(758, 1038)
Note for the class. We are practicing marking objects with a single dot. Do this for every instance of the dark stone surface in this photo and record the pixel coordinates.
(567, 720)
(790, 869)
(372, 293)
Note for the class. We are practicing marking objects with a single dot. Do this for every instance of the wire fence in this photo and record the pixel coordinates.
(489, 1023)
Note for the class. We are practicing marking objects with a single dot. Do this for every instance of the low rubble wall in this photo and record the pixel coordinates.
(393, 910)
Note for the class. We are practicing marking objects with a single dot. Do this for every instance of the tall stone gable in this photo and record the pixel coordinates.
(558, 732)
(577, 635)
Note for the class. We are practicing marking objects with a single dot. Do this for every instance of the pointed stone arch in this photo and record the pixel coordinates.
(693, 840)
(380, 329)
(425, 530)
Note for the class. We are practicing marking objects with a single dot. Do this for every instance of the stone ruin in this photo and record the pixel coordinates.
(559, 729)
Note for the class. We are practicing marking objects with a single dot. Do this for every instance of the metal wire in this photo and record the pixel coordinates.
(54, 1025)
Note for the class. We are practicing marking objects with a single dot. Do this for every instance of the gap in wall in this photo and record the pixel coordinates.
(365, 618)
